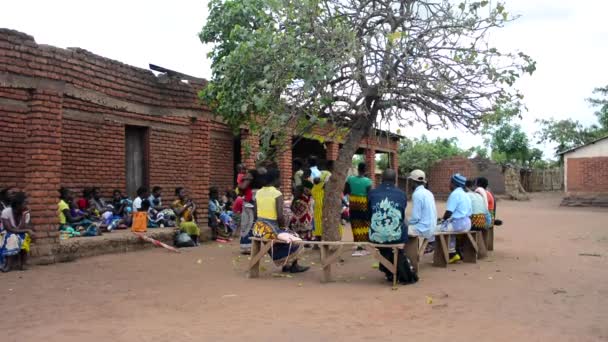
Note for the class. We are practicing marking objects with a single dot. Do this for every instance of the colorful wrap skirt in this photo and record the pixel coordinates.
(12, 244)
(479, 221)
(190, 228)
(359, 218)
(282, 253)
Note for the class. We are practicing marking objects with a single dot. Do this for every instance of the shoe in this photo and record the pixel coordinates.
(429, 249)
(221, 240)
(456, 258)
(295, 268)
(365, 253)
(357, 253)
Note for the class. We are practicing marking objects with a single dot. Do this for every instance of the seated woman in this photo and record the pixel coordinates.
(185, 211)
(15, 234)
(69, 222)
(220, 229)
(269, 208)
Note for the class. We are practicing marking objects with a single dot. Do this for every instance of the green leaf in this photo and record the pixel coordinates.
(394, 36)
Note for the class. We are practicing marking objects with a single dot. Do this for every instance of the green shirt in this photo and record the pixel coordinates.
(358, 185)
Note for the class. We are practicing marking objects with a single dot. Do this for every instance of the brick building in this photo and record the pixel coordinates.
(71, 118)
(586, 168)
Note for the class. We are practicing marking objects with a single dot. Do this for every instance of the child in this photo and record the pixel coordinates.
(15, 239)
(302, 210)
(218, 228)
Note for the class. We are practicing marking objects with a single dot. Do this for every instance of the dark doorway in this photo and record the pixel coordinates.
(136, 149)
(305, 148)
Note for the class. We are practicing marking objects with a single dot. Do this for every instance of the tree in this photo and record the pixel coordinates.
(565, 133)
(422, 153)
(353, 64)
(357, 158)
(602, 103)
(511, 142)
(570, 133)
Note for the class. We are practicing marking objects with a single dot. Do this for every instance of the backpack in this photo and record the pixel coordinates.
(183, 240)
(405, 270)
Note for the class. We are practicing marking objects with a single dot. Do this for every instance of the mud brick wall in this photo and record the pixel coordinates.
(13, 107)
(222, 158)
(588, 175)
(440, 173)
(63, 114)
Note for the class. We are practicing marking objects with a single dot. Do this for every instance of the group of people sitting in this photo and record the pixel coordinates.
(91, 215)
(470, 205)
(376, 215)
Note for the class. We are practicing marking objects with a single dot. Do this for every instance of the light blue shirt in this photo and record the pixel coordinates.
(424, 213)
(459, 203)
(477, 203)
(314, 172)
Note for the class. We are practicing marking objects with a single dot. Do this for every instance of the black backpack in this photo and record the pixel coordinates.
(405, 271)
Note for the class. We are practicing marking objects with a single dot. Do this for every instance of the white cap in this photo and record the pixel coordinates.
(418, 176)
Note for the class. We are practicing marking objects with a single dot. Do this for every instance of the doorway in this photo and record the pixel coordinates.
(136, 161)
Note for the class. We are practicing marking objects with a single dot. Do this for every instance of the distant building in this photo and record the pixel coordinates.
(586, 168)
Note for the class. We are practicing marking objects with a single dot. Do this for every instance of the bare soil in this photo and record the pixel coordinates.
(535, 286)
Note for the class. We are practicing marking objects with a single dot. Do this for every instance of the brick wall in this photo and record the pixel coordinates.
(587, 175)
(63, 114)
(13, 108)
(440, 173)
(222, 158)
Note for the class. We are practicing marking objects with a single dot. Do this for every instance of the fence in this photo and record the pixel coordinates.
(542, 180)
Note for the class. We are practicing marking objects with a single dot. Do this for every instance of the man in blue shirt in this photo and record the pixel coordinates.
(424, 213)
(386, 206)
(457, 213)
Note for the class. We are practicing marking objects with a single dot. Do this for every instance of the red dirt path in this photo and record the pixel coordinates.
(534, 287)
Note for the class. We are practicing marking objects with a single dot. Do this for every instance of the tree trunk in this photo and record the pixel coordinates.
(334, 188)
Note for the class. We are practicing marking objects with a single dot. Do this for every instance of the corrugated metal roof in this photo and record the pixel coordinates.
(581, 146)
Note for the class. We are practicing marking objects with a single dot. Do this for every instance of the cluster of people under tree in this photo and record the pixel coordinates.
(376, 215)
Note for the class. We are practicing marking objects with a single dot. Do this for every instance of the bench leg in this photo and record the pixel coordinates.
(325, 254)
(490, 239)
(395, 268)
(468, 247)
(258, 250)
(482, 249)
(411, 251)
(254, 267)
(441, 255)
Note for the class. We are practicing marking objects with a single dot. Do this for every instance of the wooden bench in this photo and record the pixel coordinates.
(488, 237)
(330, 254)
(468, 243)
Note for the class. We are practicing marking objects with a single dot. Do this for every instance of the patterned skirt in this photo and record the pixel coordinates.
(282, 253)
(359, 218)
(478, 221)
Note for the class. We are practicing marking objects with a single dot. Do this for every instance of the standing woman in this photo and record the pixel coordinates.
(15, 236)
(359, 186)
(269, 209)
(247, 188)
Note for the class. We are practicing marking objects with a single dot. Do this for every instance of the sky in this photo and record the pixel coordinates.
(568, 39)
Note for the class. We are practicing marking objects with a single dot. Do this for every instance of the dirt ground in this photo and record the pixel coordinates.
(535, 286)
